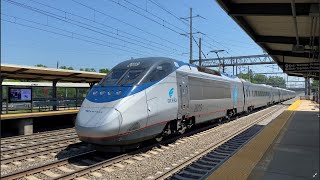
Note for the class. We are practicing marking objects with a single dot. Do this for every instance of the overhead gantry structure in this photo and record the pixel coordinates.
(234, 61)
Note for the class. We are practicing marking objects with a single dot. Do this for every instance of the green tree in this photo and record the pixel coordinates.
(259, 79)
(65, 67)
(246, 76)
(41, 65)
(315, 84)
(88, 69)
(104, 70)
(276, 81)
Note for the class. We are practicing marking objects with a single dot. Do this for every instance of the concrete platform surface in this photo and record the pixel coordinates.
(294, 155)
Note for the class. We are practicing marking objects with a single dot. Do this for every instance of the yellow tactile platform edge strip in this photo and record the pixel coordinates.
(37, 114)
(240, 165)
(295, 105)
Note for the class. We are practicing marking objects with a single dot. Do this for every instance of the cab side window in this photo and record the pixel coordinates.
(159, 72)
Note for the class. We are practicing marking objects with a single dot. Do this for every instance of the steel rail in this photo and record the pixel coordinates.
(5, 160)
(17, 139)
(176, 169)
(42, 143)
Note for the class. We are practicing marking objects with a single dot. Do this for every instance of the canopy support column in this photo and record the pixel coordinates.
(54, 94)
(1, 98)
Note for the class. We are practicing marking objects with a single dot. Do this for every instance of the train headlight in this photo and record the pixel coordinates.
(95, 93)
(110, 92)
(119, 92)
(102, 92)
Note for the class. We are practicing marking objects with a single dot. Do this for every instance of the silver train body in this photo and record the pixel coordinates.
(149, 98)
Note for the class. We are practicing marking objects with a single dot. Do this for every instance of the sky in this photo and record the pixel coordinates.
(101, 33)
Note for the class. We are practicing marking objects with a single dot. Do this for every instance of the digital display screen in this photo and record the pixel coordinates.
(20, 95)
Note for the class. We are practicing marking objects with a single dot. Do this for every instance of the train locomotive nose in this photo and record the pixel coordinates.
(94, 125)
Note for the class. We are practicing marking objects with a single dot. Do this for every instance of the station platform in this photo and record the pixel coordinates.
(28, 123)
(38, 114)
(287, 148)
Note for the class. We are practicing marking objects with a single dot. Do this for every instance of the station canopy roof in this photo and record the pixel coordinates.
(9, 71)
(275, 25)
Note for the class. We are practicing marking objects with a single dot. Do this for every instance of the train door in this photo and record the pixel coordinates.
(183, 91)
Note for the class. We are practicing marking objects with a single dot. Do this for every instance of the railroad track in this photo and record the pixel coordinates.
(38, 140)
(15, 139)
(94, 164)
(227, 146)
(52, 149)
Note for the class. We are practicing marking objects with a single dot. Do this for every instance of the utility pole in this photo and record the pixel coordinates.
(190, 33)
(190, 61)
(200, 61)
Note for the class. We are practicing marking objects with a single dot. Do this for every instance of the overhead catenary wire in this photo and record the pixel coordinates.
(72, 33)
(69, 36)
(183, 31)
(76, 23)
(175, 16)
(158, 45)
(157, 22)
(128, 24)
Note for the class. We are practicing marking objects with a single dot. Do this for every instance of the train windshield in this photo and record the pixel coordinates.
(113, 77)
(123, 77)
(137, 72)
(131, 77)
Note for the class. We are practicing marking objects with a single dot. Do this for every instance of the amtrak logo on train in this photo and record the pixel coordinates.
(93, 111)
(171, 92)
(171, 99)
(235, 95)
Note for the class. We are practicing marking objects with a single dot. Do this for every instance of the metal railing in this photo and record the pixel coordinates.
(41, 105)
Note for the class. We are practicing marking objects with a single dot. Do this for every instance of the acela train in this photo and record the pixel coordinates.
(153, 97)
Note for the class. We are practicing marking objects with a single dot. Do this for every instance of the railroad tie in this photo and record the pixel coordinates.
(65, 169)
(81, 178)
(30, 160)
(6, 156)
(165, 147)
(145, 155)
(159, 150)
(153, 152)
(53, 154)
(108, 169)
(32, 178)
(17, 163)
(96, 174)
(50, 174)
(119, 165)
(138, 158)
(4, 166)
(129, 161)
(42, 157)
